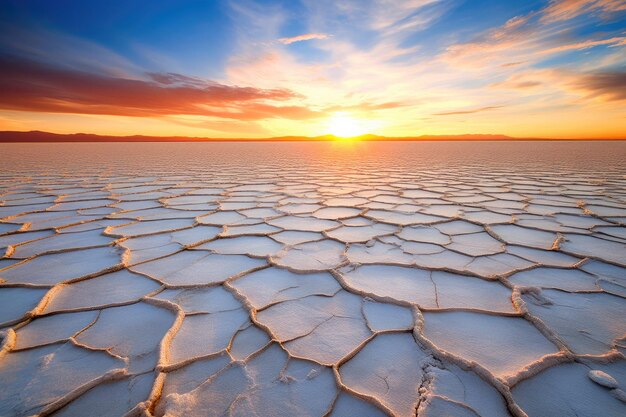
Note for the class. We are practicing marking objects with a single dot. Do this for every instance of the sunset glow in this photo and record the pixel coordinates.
(246, 69)
(313, 208)
(345, 126)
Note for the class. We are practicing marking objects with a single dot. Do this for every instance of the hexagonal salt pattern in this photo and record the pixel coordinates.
(312, 280)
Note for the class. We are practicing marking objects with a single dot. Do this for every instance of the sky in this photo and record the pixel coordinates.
(246, 68)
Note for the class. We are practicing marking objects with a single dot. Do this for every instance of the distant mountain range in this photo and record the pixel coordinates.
(44, 137)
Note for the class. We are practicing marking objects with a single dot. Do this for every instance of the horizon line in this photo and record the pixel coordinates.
(37, 136)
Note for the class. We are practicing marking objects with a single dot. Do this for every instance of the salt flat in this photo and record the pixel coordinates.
(319, 279)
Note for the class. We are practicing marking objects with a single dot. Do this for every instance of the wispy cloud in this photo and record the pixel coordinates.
(513, 64)
(305, 37)
(470, 111)
(366, 107)
(559, 10)
(577, 46)
(534, 36)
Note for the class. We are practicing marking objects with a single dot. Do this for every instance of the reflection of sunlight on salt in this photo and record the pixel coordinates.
(346, 144)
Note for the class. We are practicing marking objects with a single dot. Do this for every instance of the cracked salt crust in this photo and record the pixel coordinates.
(313, 284)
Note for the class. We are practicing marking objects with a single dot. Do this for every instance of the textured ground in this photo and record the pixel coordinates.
(286, 280)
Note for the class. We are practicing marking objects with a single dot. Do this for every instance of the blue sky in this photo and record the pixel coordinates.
(264, 68)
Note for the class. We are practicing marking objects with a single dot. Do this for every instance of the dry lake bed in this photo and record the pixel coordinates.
(313, 279)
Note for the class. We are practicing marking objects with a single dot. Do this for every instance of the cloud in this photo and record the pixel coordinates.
(305, 37)
(378, 15)
(366, 107)
(560, 10)
(528, 82)
(28, 85)
(525, 45)
(532, 37)
(514, 40)
(604, 86)
(513, 64)
(608, 86)
(615, 41)
(173, 79)
(471, 111)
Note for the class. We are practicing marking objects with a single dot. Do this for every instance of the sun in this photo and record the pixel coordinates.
(343, 125)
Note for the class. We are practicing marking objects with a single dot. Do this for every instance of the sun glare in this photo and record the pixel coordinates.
(345, 126)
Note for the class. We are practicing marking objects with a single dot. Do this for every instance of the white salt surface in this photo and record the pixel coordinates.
(323, 279)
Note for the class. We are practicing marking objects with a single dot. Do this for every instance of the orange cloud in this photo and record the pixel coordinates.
(559, 10)
(32, 86)
(616, 41)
